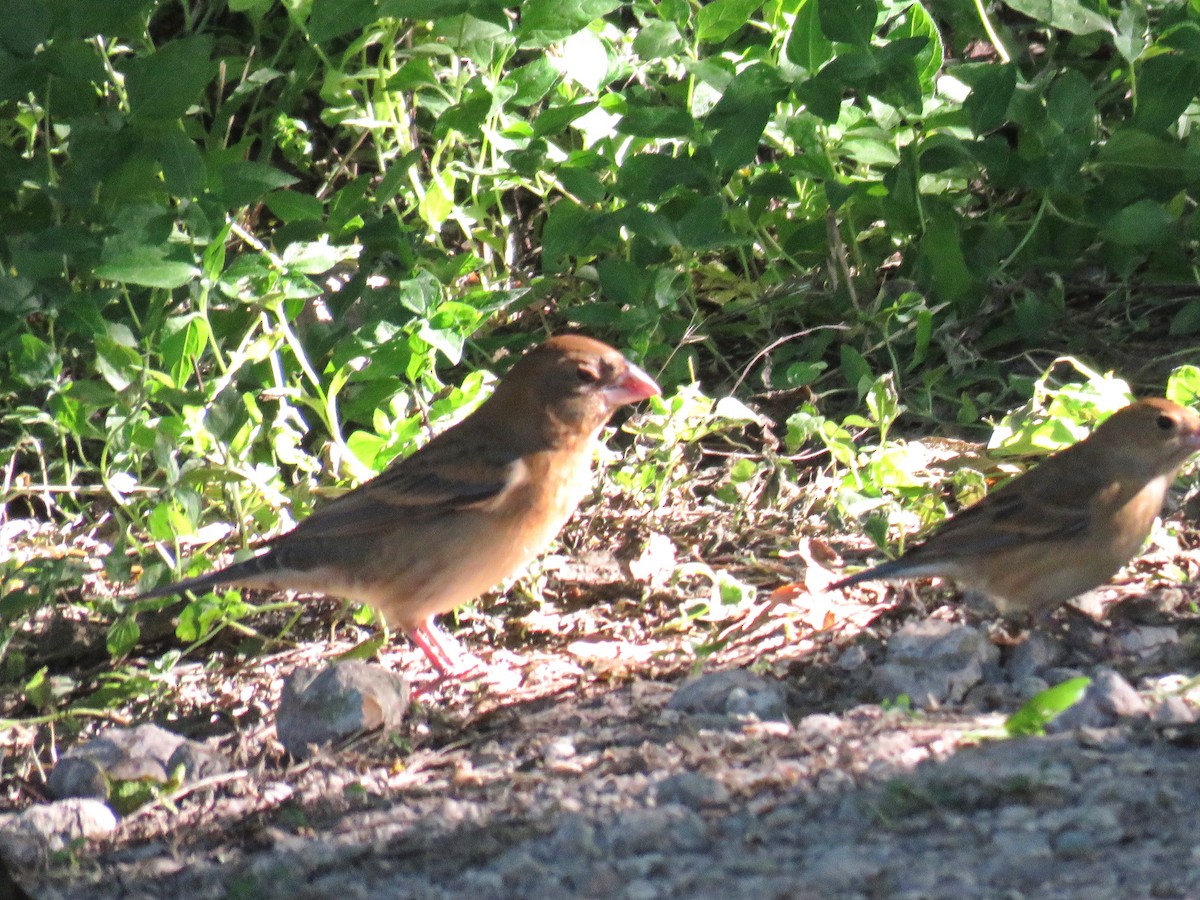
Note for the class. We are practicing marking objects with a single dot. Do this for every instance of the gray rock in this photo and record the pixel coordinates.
(733, 692)
(1109, 698)
(1173, 711)
(27, 836)
(934, 662)
(197, 760)
(852, 658)
(690, 789)
(143, 753)
(1143, 641)
(318, 706)
(661, 829)
(1036, 653)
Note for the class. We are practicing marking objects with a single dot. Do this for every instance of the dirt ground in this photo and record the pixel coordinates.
(567, 773)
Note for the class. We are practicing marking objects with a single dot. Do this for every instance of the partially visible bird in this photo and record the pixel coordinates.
(466, 510)
(1066, 525)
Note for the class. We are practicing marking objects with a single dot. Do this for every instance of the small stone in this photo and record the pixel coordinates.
(661, 829)
(1029, 686)
(197, 760)
(853, 658)
(1108, 699)
(1037, 652)
(1144, 641)
(558, 750)
(320, 706)
(143, 753)
(26, 836)
(934, 662)
(690, 789)
(733, 692)
(641, 890)
(1173, 710)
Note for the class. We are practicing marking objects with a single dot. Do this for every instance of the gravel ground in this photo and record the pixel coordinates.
(611, 793)
(596, 764)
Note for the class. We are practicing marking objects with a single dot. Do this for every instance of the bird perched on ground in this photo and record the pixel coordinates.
(467, 510)
(1065, 526)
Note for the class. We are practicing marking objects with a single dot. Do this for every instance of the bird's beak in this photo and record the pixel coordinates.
(1192, 439)
(634, 385)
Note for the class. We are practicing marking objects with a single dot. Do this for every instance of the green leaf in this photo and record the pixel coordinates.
(546, 21)
(240, 183)
(1144, 223)
(1186, 322)
(1141, 154)
(292, 206)
(991, 93)
(164, 84)
(720, 19)
(332, 18)
(915, 22)
(651, 176)
(182, 164)
(1065, 15)
(806, 45)
(658, 40)
(1040, 710)
(1166, 86)
(123, 636)
(850, 21)
(740, 116)
(155, 267)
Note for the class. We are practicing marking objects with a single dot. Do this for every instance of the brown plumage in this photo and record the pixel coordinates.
(1068, 524)
(467, 510)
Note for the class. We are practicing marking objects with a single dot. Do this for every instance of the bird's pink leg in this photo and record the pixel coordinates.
(443, 651)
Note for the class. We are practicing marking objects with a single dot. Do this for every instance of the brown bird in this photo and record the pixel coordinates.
(467, 510)
(1065, 526)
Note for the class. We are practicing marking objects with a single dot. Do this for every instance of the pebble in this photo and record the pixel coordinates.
(142, 753)
(735, 693)
(318, 706)
(933, 663)
(1108, 699)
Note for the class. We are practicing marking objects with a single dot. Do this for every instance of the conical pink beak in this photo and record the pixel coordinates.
(634, 386)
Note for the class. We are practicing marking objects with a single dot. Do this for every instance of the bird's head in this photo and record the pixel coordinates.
(573, 384)
(1156, 433)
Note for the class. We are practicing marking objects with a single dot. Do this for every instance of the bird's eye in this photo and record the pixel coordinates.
(1165, 422)
(587, 375)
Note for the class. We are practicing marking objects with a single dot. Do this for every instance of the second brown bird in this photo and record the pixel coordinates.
(467, 510)
(1067, 525)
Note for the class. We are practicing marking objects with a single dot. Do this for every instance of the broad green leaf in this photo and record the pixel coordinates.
(991, 93)
(544, 22)
(153, 267)
(239, 183)
(1066, 15)
(1166, 86)
(658, 40)
(806, 45)
(719, 19)
(123, 636)
(1040, 710)
(915, 22)
(1145, 223)
(849, 21)
(164, 84)
(293, 206)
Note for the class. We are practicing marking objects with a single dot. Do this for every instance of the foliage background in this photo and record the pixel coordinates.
(251, 248)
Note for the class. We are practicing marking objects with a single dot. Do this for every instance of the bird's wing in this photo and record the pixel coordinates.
(437, 481)
(1050, 503)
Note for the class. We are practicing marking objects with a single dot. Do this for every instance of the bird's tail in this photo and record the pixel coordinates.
(895, 569)
(239, 573)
